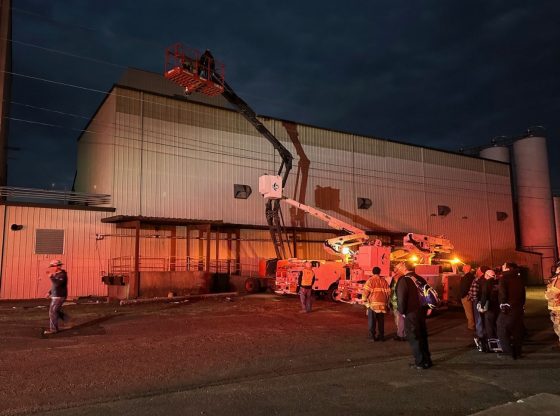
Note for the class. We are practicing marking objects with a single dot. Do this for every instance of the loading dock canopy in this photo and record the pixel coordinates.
(130, 221)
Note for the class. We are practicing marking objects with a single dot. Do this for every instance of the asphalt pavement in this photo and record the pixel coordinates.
(256, 355)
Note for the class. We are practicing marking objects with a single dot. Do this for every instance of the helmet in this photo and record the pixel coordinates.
(55, 263)
(490, 274)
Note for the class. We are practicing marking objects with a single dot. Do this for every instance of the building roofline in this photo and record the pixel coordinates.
(55, 206)
(186, 99)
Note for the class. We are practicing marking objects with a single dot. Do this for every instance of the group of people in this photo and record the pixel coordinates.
(494, 301)
(400, 297)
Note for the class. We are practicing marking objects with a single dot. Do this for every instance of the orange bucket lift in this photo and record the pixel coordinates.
(184, 67)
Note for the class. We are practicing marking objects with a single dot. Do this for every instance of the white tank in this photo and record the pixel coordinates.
(534, 199)
(499, 153)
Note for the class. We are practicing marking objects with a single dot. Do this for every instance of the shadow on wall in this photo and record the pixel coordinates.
(328, 199)
(297, 216)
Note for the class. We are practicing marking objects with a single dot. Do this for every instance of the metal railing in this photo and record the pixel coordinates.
(125, 265)
(44, 195)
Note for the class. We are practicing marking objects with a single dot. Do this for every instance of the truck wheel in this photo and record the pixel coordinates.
(252, 285)
(332, 292)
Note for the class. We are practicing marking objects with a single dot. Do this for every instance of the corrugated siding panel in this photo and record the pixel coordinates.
(450, 160)
(96, 152)
(370, 181)
(179, 161)
(192, 155)
(24, 272)
(405, 197)
(129, 138)
(255, 244)
(329, 183)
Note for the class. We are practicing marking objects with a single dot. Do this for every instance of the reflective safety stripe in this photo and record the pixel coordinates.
(307, 277)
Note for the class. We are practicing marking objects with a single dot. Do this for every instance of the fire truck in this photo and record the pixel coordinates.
(427, 253)
(343, 280)
(339, 280)
(358, 254)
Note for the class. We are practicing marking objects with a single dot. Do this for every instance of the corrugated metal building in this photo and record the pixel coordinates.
(162, 155)
(183, 177)
(34, 235)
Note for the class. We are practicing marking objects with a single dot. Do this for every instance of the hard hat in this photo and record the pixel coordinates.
(55, 263)
(490, 274)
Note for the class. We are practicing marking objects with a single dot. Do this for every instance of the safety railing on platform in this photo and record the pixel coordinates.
(125, 265)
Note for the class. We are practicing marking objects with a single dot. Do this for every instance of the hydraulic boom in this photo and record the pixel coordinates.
(203, 74)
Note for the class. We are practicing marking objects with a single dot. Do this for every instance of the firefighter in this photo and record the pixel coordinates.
(305, 285)
(376, 294)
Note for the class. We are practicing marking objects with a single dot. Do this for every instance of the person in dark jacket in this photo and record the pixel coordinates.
(206, 65)
(511, 293)
(474, 297)
(399, 319)
(58, 294)
(490, 304)
(408, 304)
(465, 285)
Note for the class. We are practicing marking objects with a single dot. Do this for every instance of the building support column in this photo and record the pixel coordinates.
(217, 249)
(134, 284)
(208, 231)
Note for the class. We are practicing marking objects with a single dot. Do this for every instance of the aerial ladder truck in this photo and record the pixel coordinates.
(358, 254)
(201, 73)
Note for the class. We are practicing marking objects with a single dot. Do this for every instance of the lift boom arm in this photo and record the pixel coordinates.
(202, 74)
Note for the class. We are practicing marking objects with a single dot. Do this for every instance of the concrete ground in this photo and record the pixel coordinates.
(257, 355)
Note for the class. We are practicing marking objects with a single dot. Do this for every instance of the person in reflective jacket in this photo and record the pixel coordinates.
(305, 285)
(376, 294)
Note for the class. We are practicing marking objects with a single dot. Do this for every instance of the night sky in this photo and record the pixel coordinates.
(444, 74)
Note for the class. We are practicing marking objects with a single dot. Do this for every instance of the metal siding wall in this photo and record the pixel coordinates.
(96, 152)
(189, 170)
(310, 246)
(370, 181)
(405, 195)
(24, 272)
(254, 244)
(129, 140)
(459, 183)
(193, 154)
(327, 169)
(500, 199)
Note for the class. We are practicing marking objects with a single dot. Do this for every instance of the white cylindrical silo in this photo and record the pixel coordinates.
(534, 199)
(499, 153)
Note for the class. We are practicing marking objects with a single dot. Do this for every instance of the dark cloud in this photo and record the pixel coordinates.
(437, 73)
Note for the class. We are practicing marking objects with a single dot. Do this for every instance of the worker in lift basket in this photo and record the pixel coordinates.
(305, 284)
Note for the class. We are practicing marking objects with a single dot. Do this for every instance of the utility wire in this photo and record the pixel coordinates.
(156, 134)
(414, 184)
